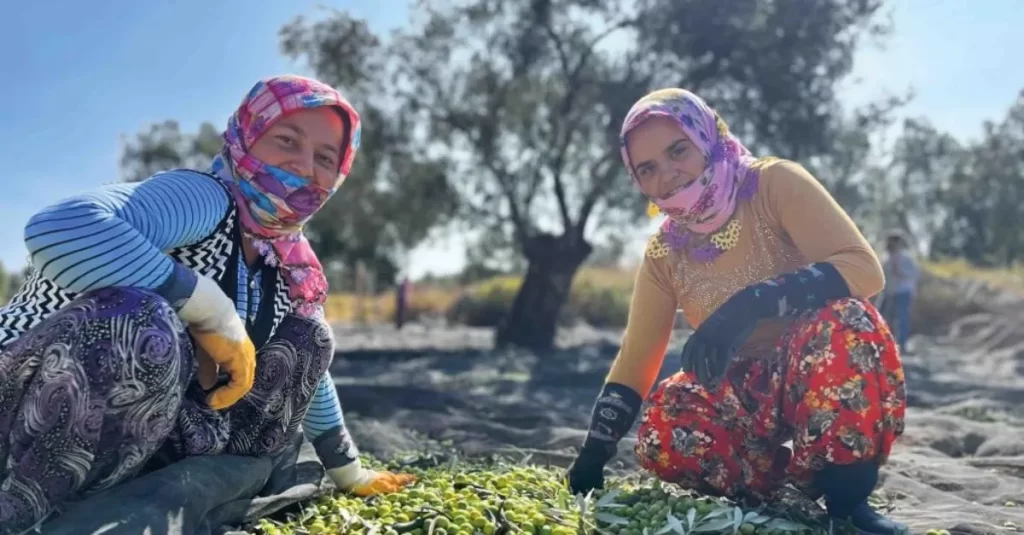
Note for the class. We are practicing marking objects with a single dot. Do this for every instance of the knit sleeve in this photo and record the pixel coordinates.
(324, 411)
(324, 426)
(117, 235)
(652, 312)
(820, 228)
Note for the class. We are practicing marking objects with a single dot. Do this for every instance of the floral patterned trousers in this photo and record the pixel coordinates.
(834, 387)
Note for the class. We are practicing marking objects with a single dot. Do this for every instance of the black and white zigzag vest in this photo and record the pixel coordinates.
(215, 256)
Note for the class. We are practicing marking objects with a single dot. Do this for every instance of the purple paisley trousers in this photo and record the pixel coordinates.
(103, 389)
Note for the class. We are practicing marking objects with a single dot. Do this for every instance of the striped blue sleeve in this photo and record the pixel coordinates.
(324, 427)
(117, 235)
(324, 411)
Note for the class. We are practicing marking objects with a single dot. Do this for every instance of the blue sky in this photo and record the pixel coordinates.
(77, 76)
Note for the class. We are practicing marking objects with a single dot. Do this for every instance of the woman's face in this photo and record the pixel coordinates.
(306, 143)
(663, 157)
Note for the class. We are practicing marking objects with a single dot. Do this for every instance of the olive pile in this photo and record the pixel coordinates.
(513, 499)
(516, 500)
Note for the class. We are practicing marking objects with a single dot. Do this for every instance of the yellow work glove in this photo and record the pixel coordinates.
(354, 479)
(222, 342)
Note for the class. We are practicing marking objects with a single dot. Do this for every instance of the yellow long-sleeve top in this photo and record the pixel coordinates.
(791, 221)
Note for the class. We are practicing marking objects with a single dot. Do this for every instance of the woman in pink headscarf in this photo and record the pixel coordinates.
(181, 316)
(775, 278)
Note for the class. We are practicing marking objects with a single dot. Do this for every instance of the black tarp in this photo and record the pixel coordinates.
(198, 496)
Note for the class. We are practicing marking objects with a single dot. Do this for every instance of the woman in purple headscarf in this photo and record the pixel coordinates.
(775, 278)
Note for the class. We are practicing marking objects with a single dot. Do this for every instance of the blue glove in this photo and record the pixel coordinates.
(710, 349)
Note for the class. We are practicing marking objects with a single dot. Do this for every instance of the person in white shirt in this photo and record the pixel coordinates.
(901, 275)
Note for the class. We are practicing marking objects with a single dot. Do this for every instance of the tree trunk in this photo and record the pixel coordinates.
(553, 261)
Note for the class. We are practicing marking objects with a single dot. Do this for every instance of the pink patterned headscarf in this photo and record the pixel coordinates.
(273, 204)
(707, 204)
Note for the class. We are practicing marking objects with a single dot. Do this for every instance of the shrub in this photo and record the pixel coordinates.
(597, 306)
(424, 301)
(941, 300)
(599, 297)
(485, 304)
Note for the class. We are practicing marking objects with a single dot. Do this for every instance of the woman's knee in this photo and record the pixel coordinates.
(703, 439)
(116, 301)
(681, 386)
(847, 305)
(694, 450)
(128, 333)
(310, 339)
(849, 315)
(298, 330)
(675, 421)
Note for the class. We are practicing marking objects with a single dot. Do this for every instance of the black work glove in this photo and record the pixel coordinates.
(614, 413)
(586, 472)
(710, 349)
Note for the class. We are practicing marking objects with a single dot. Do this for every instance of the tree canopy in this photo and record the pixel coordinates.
(503, 118)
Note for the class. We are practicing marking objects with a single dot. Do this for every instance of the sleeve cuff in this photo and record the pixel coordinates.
(613, 416)
(179, 286)
(336, 448)
(347, 476)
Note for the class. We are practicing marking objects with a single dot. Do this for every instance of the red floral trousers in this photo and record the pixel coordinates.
(834, 387)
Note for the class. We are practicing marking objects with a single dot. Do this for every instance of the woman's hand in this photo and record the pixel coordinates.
(613, 415)
(710, 349)
(586, 472)
(355, 479)
(382, 483)
(222, 342)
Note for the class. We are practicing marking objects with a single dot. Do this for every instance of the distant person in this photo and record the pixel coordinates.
(901, 277)
(109, 353)
(401, 302)
(775, 278)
